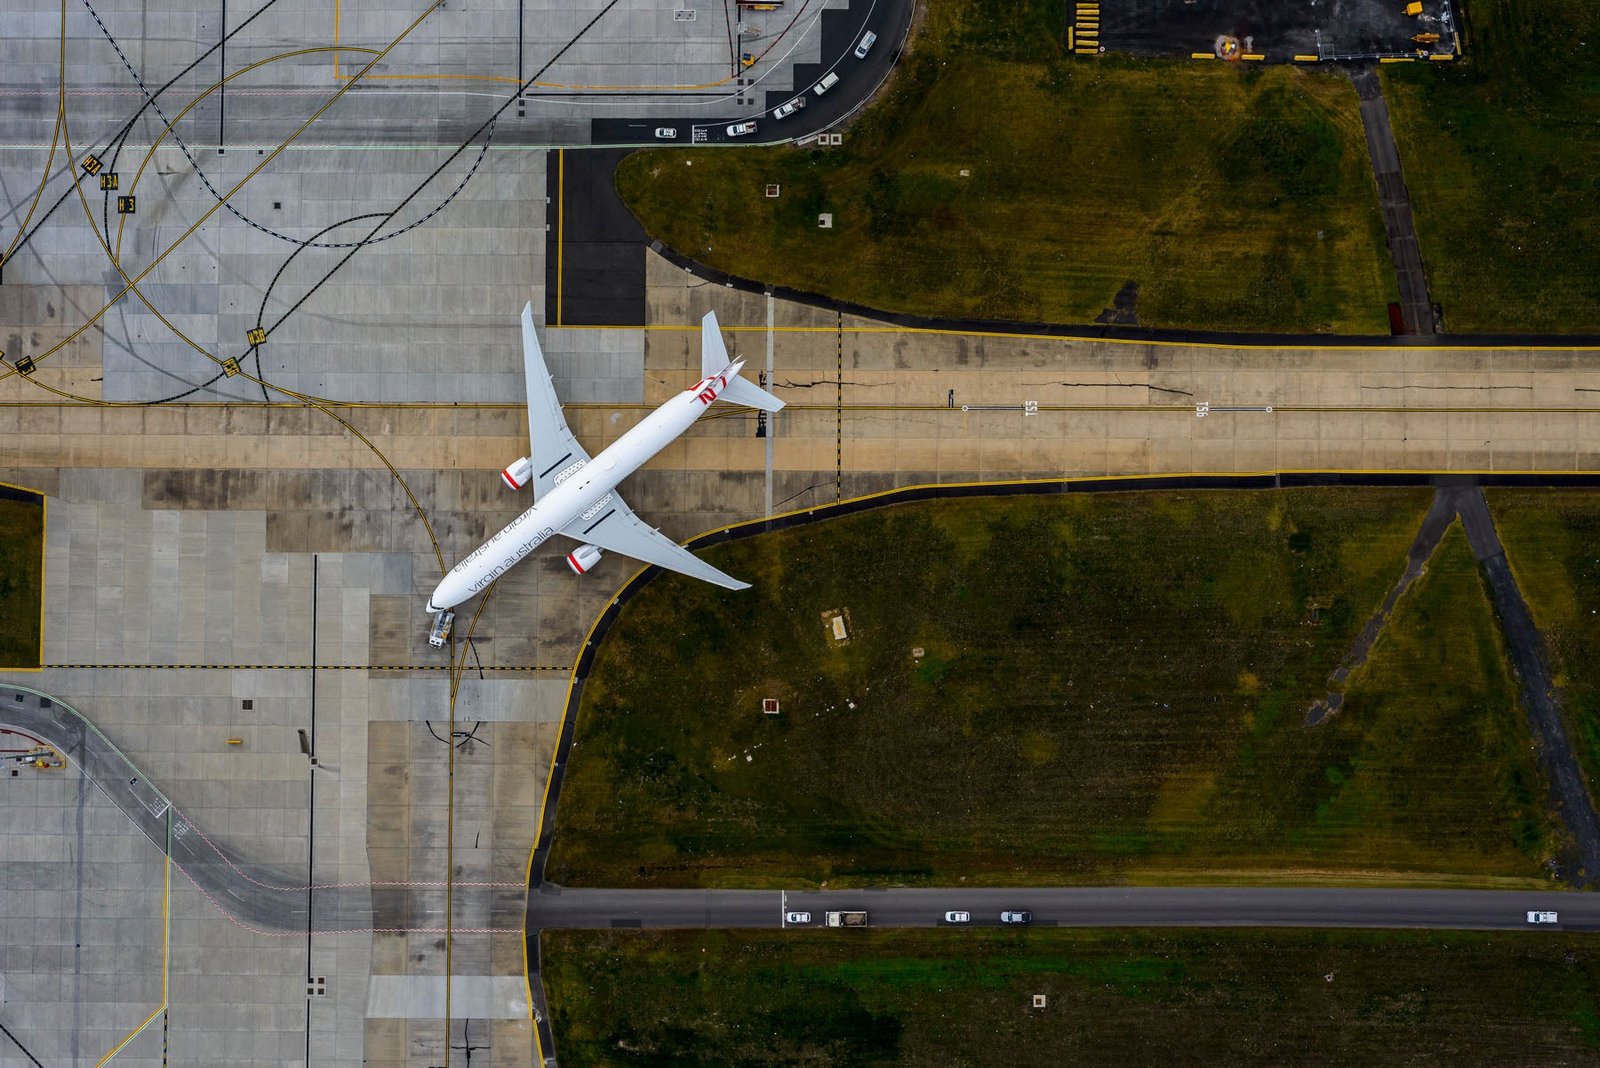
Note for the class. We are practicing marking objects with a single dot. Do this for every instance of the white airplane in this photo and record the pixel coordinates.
(576, 496)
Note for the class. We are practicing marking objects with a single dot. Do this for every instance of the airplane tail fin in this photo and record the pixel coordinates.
(714, 360)
(713, 353)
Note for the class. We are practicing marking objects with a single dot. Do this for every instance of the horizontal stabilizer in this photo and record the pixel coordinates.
(740, 391)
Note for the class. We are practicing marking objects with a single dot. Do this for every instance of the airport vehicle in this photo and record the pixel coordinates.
(847, 919)
(1541, 917)
(958, 917)
(740, 129)
(868, 39)
(829, 80)
(666, 133)
(575, 496)
(785, 110)
(1016, 917)
(440, 629)
(797, 917)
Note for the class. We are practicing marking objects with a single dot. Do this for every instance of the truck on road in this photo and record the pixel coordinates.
(847, 919)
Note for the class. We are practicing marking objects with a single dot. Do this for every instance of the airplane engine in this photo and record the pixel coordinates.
(516, 476)
(583, 558)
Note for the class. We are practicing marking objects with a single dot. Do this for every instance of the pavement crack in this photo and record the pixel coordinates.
(1131, 385)
(786, 384)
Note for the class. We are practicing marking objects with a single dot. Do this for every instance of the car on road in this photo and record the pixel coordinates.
(1016, 917)
(739, 129)
(1541, 917)
(797, 917)
(785, 110)
(868, 39)
(958, 917)
(666, 133)
(829, 80)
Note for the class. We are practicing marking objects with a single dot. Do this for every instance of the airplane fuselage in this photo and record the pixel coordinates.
(581, 492)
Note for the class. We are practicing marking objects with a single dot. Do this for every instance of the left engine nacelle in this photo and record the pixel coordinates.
(517, 475)
(583, 558)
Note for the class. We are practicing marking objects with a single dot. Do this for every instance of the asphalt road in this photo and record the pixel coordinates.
(858, 80)
(1123, 906)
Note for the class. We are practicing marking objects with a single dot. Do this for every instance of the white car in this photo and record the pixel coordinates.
(797, 917)
(829, 80)
(785, 110)
(440, 629)
(739, 129)
(666, 133)
(1541, 917)
(958, 917)
(868, 39)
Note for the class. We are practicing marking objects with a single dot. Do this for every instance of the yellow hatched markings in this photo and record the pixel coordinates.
(1083, 36)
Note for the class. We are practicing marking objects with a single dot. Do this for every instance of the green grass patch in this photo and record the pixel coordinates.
(1502, 156)
(1234, 197)
(1112, 687)
(960, 998)
(1551, 539)
(21, 577)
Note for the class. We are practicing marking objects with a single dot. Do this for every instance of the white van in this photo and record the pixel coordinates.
(868, 39)
(828, 81)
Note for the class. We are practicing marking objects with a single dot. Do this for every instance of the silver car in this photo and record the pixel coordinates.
(666, 133)
(797, 917)
(868, 39)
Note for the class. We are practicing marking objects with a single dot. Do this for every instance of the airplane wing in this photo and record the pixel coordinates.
(552, 448)
(615, 528)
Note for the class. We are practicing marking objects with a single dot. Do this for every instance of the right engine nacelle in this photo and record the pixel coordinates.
(516, 476)
(583, 558)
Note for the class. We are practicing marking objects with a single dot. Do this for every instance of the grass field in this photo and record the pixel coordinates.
(999, 180)
(1112, 687)
(1550, 538)
(961, 998)
(1502, 157)
(21, 577)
